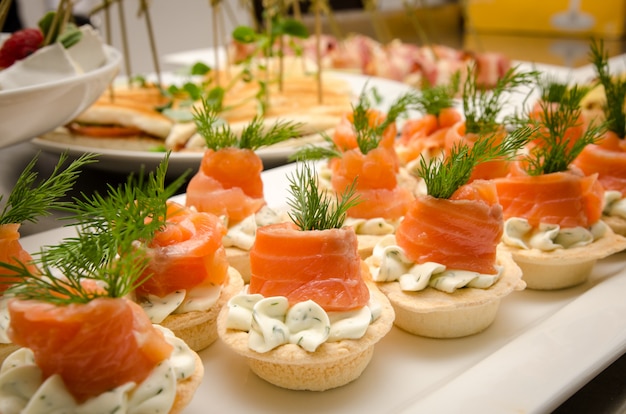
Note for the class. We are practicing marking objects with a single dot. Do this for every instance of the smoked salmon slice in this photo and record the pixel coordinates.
(320, 265)
(607, 158)
(94, 347)
(461, 232)
(12, 252)
(376, 183)
(486, 170)
(187, 253)
(345, 135)
(426, 135)
(568, 198)
(228, 183)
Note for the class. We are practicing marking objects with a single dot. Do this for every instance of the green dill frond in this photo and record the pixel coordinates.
(30, 200)
(443, 176)
(482, 107)
(108, 246)
(369, 136)
(316, 152)
(555, 152)
(218, 134)
(433, 99)
(314, 209)
(614, 89)
(553, 90)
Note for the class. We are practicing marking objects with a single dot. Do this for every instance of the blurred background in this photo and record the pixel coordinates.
(555, 31)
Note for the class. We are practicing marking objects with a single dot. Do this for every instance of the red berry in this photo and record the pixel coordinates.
(19, 45)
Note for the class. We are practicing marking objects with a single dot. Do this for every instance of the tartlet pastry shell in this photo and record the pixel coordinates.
(467, 311)
(563, 268)
(332, 365)
(199, 329)
(185, 389)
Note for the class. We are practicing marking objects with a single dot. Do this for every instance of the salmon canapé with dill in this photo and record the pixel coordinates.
(188, 278)
(607, 156)
(482, 116)
(310, 317)
(553, 211)
(442, 270)
(373, 167)
(425, 134)
(228, 183)
(29, 200)
(80, 295)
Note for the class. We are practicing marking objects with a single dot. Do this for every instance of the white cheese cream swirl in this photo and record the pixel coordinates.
(271, 322)
(243, 233)
(22, 390)
(389, 263)
(614, 204)
(548, 237)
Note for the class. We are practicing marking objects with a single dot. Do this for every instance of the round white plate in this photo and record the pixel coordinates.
(121, 160)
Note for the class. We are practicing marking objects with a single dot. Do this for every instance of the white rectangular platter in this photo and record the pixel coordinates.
(542, 347)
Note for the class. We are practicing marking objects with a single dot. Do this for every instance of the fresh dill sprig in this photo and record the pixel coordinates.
(316, 152)
(368, 136)
(30, 200)
(555, 152)
(443, 176)
(614, 89)
(554, 91)
(313, 209)
(433, 99)
(482, 107)
(218, 134)
(108, 247)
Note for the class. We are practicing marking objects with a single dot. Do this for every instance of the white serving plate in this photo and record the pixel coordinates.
(123, 160)
(542, 347)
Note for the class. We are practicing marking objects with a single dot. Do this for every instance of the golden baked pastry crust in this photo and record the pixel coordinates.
(563, 268)
(199, 329)
(185, 389)
(467, 311)
(332, 365)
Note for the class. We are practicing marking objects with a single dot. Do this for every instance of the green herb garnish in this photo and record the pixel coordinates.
(313, 209)
(218, 134)
(555, 152)
(554, 91)
(482, 107)
(369, 136)
(443, 176)
(30, 200)
(614, 89)
(108, 247)
(433, 99)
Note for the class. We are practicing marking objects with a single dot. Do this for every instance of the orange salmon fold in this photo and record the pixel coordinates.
(320, 265)
(228, 183)
(344, 135)
(568, 199)
(12, 252)
(426, 134)
(461, 232)
(486, 170)
(94, 347)
(187, 253)
(376, 183)
(607, 158)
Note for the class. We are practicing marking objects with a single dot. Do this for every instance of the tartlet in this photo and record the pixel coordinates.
(332, 365)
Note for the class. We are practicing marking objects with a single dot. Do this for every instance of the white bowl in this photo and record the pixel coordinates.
(33, 110)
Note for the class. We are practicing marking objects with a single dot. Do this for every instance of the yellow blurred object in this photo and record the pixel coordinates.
(584, 18)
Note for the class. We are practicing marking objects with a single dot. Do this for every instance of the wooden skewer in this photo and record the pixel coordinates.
(155, 56)
(125, 47)
(4, 11)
